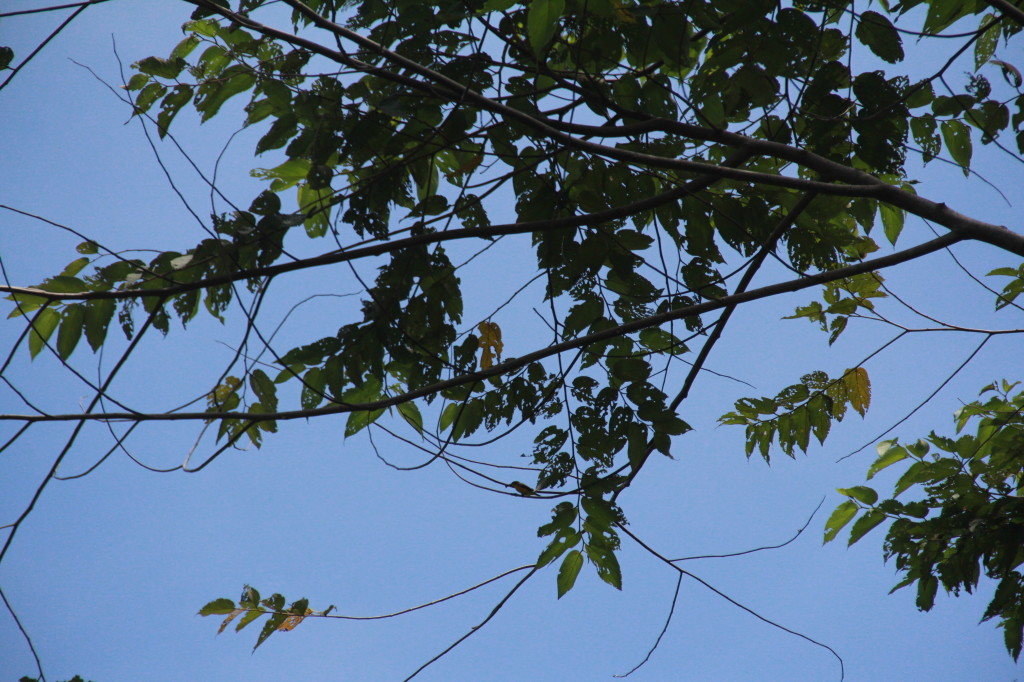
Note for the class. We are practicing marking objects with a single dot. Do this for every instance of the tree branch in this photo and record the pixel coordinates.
(860, 184)
(1009, 10)
(499, 369)
(347, 255)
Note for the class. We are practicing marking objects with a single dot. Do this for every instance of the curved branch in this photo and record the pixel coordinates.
(478, 626)
(860, 184)
(723, 595)
(744, 552)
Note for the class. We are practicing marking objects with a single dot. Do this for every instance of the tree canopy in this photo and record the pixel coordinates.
(634, 173)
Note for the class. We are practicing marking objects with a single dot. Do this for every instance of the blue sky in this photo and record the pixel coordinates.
(109, 571)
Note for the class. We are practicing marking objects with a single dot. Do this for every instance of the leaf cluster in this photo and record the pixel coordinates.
(651, 155)
(800, 411)
(250, 607)
(969, 517)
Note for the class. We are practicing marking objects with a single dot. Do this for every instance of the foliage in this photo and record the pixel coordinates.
(971, 516)
(656, 154)
(250, 607)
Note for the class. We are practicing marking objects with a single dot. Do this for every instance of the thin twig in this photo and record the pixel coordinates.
(478, 626)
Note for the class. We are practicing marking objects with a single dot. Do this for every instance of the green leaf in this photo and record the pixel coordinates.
(599, 511)
(570, 569)
(161, 68)
(316, 206)
(357, 421)
(562, 517)
(250, 597)
(636, 439)
(185, 47)
(288, 174)
(412, 415)
(892, 221)
(248, 617)
(942, 13)
(564, 539)
(987, 42)
(214, 93)
(270, 627)
(203, 27)
(448, 415)
(24, 304)
(313, 384)
(607, 564)
(927, 586)
(264, 388)
(840, 517)
(63, 284)
(917, 472)
(70, 330)
(43, 324)
(218, 607)
(170, 106)
(878, 33)
(542, 22)
(958, 141)
(889, 453)
(149, 94)
(871, 518)
(73, 268)
(861, 493)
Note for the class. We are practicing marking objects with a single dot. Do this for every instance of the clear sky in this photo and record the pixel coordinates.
(110, 569)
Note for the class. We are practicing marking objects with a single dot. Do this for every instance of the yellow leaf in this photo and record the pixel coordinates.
(490, 343)
(291, 622)
(231, 617)
(858, 388)
(222, 392)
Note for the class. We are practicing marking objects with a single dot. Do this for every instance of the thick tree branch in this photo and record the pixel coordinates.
(1009, 10)
(502, 368)
(346, 255)
(860, 184)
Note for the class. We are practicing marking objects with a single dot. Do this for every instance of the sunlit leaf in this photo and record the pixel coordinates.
(570, 569)
(43, 325)
(858, 389)
(861, 493)
(411, 414)
(490, 344)
(957, 137)
(839, 518)
(888, 454)
(892, 221)
(71, 326)
(218, 607)
(865, 523)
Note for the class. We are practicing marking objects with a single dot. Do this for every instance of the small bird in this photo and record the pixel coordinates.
(522, 488)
